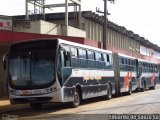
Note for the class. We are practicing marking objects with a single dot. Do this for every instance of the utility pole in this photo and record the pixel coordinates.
(105, 40)
(105, 27)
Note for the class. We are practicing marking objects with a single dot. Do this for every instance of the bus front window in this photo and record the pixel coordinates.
(42, 67)
(32, 69)
(19, 69)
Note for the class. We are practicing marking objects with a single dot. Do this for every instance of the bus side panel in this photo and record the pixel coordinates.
(91, 86)
(111, 80)
(127, 77)
(150, 79)
(68, 94)
(157, 78)
(99, 88)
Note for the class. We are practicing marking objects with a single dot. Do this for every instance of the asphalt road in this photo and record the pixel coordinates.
(147, 102)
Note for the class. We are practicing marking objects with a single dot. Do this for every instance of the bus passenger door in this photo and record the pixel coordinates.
(116, 72)
(66, 65)
(138, 73)
(138, 69)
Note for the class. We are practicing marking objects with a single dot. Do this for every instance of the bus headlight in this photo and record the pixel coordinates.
(32, 92)
(14, 92)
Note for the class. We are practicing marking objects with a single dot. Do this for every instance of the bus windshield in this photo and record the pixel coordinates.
(32, 67)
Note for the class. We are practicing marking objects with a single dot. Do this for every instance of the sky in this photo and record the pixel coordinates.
(140, 16)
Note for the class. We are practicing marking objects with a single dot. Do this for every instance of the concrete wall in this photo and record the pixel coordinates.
(49, 28)
(3, 75)
(90, 29)
(41, 27)
(94, 31)
(74, 32)
(35, 28)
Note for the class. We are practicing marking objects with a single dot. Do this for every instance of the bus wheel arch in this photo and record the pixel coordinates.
(109, 91)
(109, 83)
(144, 86)
(130, 89)
(153, 87)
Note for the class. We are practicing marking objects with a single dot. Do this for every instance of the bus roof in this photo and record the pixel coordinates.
(82, 46)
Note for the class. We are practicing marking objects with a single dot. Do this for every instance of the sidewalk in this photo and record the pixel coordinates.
(5, 106)
(4, 101)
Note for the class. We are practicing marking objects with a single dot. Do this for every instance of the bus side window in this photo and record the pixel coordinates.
(124, 64)
(107, 61)
(98, 56)
(150, 67)
(122, 60)
(147, 67)
(83, 58)
(74, 52)
(131, 64)
(157, 68)
(103, 63)
(102, 57)
(144, 67)
(74, 61)
(120, 63)
(153, 67)
(99, 64)
(91, 59)
(66, 64)
(128, 64)
(66, 57)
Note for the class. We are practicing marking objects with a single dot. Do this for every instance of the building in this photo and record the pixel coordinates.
(119, 39)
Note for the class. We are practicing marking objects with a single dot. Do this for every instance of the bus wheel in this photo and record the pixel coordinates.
(144, 87)
(109, 93)
(153, 87)
(130, 89)
(36, 106)
(76, 99)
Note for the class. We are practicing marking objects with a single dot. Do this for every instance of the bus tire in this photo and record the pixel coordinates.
(109, 92)
(76, 99)
(130, 89)
(36, 106)
(153, 87)
(144, 87)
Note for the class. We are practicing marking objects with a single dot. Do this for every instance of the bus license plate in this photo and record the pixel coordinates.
(31, 99)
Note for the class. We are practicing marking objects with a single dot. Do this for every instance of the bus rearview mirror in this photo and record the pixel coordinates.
(67, 55)
(5, 57)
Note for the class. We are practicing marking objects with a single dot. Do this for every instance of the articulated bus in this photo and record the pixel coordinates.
(148, 74)
(54, 70)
